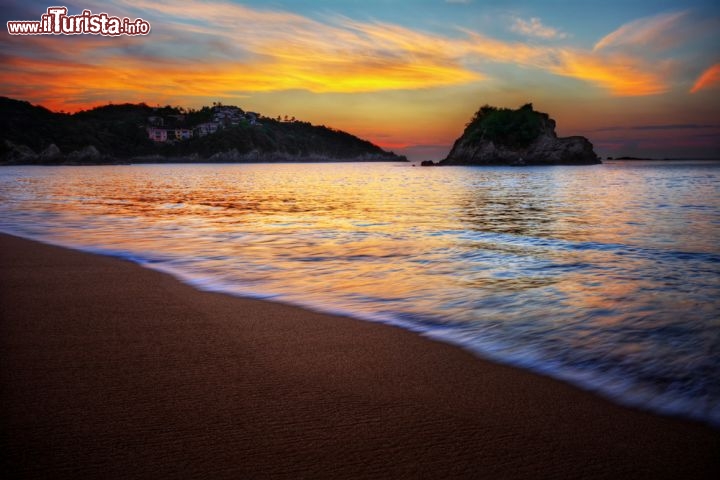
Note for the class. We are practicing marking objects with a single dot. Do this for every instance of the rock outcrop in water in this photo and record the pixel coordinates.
(517, 137)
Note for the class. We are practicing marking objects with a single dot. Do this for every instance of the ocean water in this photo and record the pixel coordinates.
(606, 276)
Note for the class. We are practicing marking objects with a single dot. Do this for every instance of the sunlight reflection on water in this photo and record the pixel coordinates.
(606, 276)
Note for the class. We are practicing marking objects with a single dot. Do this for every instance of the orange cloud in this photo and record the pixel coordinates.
(267, 51)
(623, 76)
(710, 78)
(223, 50)
(73, 85)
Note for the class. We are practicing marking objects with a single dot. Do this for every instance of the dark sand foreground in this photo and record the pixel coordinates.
(110, 370)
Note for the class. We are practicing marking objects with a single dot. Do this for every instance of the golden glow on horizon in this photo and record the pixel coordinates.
(144, 81)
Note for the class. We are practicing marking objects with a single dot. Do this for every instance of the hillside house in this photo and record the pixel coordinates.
(182, 134)
(207, 128)
(228, 115)
(157, 134)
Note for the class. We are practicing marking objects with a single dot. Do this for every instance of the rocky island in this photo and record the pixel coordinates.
(138, 133)
(502, 136)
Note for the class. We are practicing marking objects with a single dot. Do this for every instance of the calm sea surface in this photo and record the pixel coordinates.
(606, 276)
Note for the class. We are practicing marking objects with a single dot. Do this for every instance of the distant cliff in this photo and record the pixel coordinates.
(502, 136)
(138, 133)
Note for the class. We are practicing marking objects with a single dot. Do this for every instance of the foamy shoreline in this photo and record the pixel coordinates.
(114, 370)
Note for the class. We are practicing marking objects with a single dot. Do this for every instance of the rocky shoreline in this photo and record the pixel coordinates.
(24, 155)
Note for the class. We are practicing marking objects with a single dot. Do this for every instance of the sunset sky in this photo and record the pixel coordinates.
(635, 77)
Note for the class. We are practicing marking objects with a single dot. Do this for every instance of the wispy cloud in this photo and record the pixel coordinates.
(710, 78)
(620, 74)
(656, 31)
(535, 28)
(218, 49)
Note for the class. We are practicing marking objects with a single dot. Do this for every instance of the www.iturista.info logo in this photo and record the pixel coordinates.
(57, 22)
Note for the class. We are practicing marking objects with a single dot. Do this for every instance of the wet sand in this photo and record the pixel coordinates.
(110, 370)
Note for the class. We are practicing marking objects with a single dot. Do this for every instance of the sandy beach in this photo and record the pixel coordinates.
(110, 370)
